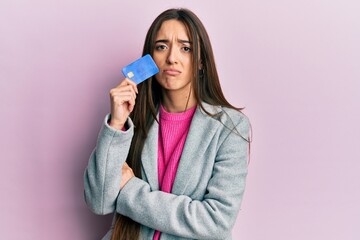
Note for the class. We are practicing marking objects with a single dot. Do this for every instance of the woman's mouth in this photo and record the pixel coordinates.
(171, 72)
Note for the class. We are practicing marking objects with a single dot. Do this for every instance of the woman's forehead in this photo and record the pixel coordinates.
(173, 29)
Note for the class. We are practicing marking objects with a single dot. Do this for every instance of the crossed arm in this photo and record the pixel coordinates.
(209, 218)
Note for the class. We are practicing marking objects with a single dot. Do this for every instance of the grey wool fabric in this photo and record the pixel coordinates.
(208, 187)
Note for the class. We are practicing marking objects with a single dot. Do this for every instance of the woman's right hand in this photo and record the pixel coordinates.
(122, 100)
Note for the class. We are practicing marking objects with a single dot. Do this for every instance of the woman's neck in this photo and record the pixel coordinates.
(178, 101)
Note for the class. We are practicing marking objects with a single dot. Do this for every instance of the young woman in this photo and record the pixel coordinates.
(171, 158)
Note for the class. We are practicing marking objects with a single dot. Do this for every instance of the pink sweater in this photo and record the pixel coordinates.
(173, 130)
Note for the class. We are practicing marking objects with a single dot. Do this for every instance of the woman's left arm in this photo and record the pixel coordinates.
(211, 218)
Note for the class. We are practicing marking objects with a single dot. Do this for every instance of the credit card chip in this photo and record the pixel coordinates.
(130, 74)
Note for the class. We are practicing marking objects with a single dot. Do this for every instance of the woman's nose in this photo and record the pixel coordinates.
(172, 56)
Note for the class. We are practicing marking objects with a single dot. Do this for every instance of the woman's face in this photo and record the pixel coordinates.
(173, 55)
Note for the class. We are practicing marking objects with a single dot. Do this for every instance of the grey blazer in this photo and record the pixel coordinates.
(208, 186)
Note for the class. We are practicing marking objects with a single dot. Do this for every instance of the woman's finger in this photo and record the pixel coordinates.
(127, 174)
(123, 89)
(131, 104)
(127, 81)
(121, 99)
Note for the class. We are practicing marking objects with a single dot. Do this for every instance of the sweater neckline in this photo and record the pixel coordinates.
(176, 116)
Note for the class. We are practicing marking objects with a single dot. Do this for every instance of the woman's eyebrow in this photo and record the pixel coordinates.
(166, 41)
(185, 41)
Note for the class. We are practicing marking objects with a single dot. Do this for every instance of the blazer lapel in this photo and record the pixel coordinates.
(149, 157)
(202, 129)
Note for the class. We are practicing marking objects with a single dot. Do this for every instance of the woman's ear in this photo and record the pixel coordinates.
(201, 67)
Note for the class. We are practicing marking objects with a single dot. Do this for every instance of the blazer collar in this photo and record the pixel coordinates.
(202, 129)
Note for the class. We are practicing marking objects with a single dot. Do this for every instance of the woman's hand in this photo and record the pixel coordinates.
(122, 99)
(127, 174)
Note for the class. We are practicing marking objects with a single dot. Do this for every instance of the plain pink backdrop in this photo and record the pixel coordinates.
(294, 65)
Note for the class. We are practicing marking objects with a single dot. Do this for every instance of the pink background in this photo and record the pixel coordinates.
(294, 65)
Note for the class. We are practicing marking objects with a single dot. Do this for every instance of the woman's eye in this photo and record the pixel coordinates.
(187, 49)
(160, 47)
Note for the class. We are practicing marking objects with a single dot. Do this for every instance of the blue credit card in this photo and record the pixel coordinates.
(141, 69)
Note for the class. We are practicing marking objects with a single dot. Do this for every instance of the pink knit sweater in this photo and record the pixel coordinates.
(173, 130)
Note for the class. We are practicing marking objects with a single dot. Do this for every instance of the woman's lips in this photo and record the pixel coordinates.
(172, 72)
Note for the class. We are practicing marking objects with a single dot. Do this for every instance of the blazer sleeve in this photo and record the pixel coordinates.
(211, 218)
(102, 175)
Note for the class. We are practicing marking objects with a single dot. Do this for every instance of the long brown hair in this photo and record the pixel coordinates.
(206, 87)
